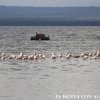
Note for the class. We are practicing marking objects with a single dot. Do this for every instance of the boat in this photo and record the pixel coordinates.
(40, 37)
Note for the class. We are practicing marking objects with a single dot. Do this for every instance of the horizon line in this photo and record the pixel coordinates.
(46, 6)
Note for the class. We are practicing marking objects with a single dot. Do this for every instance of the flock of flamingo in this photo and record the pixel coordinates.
(35, 56)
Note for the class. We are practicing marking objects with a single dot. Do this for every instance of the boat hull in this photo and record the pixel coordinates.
(36, 38)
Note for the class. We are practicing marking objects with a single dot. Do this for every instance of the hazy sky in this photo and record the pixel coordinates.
(50, 2)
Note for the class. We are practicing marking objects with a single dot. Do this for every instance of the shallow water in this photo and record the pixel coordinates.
(44, 79)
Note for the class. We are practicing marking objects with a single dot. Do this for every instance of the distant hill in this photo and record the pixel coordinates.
(36, 16)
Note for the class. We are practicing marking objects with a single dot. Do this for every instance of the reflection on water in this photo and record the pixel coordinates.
(43, 79)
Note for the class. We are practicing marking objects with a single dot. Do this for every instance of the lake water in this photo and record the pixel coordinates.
(45, 79)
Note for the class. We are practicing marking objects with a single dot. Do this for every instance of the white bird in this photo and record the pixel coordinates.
(30, 57)
(3, 54)
(36, 56)
(43, 56)
(68, 55)
(12, 56)
(25, 57)
(20, 56)
(98, 53)
(53, 55)
(60, 55)
(94, 57)
(2, 58)
(85, 57)
(90, 54)
(40, 55)
(82, 54)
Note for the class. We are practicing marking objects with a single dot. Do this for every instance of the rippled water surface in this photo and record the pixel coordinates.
(43, 79)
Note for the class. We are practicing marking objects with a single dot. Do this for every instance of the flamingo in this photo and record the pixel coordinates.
(20, 56)
(53, 55)
(60, 55)
(68, 55)
(85, 57)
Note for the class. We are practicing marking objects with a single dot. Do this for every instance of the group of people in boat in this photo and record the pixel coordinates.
(35, 56)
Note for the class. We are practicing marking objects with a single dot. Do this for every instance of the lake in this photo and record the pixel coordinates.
(49, 79)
